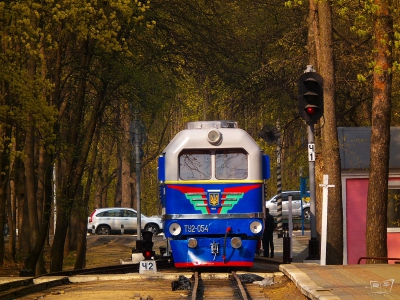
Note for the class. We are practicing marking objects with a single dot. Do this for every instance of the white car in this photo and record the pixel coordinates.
(272, 204)
(110, 220)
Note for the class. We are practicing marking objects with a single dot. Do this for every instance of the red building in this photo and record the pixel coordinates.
(354, 143)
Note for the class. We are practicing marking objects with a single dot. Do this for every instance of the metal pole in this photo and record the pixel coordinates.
(279, 185)
(137, 156)
(313, 243)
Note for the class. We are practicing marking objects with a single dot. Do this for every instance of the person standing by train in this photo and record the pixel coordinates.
(268, 235)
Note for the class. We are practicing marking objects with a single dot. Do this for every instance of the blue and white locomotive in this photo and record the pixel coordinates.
(212, 192)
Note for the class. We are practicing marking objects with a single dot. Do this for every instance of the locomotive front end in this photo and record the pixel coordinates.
(211, 187)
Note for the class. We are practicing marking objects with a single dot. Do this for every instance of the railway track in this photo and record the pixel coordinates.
(210, 288)
(96, 284)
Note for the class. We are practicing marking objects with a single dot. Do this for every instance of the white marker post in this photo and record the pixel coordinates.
(325, 187)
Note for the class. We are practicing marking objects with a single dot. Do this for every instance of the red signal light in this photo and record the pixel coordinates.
(147, 254)
(311, 110)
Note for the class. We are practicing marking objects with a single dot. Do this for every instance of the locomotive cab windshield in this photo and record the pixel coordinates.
(213, 164)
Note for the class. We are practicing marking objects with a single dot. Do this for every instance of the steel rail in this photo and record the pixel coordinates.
(240, 285)
(26, 286)
(195, 285)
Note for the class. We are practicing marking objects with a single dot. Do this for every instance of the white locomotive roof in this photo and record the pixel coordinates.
(195, 137)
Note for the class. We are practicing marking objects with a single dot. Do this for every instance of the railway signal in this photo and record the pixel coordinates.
(311, 109)
(310, 97)
(147, 245)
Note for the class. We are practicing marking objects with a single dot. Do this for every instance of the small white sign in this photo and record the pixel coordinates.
(384, 287)
(148, 267)
(311, 152)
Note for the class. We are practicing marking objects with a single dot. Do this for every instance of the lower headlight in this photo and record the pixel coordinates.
(255, 227)
(175, 229)
(192, 243)
(236, 242)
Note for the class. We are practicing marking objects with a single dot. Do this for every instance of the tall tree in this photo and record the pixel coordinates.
(376, 232)
(321, 53)
(330, 143)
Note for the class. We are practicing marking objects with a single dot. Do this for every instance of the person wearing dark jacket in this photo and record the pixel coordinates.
(268, 235)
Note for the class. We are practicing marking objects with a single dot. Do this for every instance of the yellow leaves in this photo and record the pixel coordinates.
(396, 66)
(102, 21)
(290, 4)
(361, 78)
(151, 24)
(139, 18)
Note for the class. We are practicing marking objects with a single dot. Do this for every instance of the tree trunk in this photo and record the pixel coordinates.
(4, 177)
(46, 213)
(11, 209)
(5, 135)
(376, 231)
(22, 222)
(80, 261)
(330, 143)
(124, 149)
(29, 161)
(77, 137)
(80, 140)
(313, 47)
(320, 49)
(104, 177)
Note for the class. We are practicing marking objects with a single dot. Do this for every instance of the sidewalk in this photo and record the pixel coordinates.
(345, 282)
(336, 281)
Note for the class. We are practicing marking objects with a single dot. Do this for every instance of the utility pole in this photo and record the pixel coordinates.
(137, 133)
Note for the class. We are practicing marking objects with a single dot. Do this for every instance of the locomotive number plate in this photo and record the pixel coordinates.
(196, 228)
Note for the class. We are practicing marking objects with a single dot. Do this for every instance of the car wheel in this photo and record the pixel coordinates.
(153, 228)
(103, 230)
(307, 214)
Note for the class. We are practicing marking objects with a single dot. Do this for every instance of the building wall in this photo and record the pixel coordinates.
(355, 188)
(356, 216)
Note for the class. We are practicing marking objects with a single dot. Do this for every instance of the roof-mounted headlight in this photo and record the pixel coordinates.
(214, 137)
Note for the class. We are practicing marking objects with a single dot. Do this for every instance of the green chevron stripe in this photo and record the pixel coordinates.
(203, 209)
(233, 200)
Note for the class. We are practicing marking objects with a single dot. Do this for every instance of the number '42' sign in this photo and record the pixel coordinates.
(148, 266)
